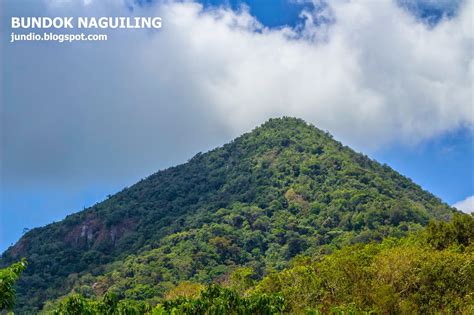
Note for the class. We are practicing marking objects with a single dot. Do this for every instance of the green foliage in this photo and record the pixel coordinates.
(241, 279)
(460, 231)
(396, 276)
(8, 277)
(108, 305)
(217, 300)
(75, 305)
(184, 289)
(283, 190)
(212, 300)
(404, 276)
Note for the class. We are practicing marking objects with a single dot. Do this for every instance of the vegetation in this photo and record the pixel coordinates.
(412, 275)
(284, 190)
(397, 276)
(213, 300)
(8, 277)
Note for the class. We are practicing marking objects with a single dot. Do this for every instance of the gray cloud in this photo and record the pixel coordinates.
(144, 100)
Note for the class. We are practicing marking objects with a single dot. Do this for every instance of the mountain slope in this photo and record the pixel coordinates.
(283, 189)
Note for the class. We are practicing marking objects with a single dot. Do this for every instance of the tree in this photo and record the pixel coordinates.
(8, 277)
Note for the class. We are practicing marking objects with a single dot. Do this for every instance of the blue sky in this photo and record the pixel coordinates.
(270, 13)
(82, 121)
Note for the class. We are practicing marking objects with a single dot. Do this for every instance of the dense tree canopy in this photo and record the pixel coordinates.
(411, 275)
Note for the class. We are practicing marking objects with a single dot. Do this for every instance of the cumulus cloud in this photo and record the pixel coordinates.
(368, 71)
(466, 205)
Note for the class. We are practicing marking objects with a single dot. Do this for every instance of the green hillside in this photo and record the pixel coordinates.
(282, 190)
(429, 272)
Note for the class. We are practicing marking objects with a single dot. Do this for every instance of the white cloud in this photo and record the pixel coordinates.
(374, 77)
(466, 205)
(380, 77)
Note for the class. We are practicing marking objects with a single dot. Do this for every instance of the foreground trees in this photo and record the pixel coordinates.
(8, 277)
(212, 300)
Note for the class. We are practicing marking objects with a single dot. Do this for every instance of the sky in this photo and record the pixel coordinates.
(79, 121)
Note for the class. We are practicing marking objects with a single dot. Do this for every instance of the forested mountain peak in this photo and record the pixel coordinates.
(284, 189)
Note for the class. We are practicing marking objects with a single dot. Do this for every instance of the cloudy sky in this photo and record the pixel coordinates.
(393, 79)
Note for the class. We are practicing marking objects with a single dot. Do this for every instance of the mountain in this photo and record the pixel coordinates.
(284, 189)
